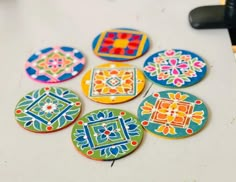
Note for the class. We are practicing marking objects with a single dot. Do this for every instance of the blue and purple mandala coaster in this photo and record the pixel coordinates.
(172, 114)
(48, 109)
(55, 64)
(175, 68)
(121, 44)
(107, 134)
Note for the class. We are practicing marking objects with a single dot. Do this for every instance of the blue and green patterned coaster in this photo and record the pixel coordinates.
(121, 44)
(172, 114)
(175, 68)
(107, 134)
(55, 64)
(48, 109)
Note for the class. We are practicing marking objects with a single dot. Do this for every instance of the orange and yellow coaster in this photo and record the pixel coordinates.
(107, 134)
(121, 44)
(48, 109)
(173, 114)
(113, 83)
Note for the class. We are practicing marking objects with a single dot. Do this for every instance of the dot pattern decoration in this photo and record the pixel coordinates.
(175, 68)
(107, 134)
(113, 83)
(172, 114)
(48, 109)
(55, 64)
(121, 44)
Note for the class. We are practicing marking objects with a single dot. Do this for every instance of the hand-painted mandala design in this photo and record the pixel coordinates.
(173, 114)
(120, 44)
(113, 83)
(175, 68)
(55, 64)
(48, 109)
(107, 134)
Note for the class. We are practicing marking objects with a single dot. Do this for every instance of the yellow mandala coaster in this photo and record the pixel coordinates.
(113, 83)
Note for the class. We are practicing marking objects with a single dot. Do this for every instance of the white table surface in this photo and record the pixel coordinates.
(29, 25)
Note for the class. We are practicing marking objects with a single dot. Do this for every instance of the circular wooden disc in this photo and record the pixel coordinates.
(172, 114)
(121, 44)
(175, 68)
(48, 109)
(107, 134)
(113, 83)
(55, 64)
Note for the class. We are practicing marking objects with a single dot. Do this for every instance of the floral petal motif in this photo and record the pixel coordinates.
(173, 62)
(114, 150)
(177, 96)
(147, 108)
(158, 60)
(198, 64)
(101, 138)
(197, 117)
(164, 68)
(178, 82)
(150, 68)
(172, 130)
(170, 53)
(182, 66)
(160, 128)
(166, 129)
(163, 76)
(124, 35)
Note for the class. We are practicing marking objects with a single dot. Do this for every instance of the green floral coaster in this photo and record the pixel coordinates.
(107, 134)
(48, 109)
(172, 114)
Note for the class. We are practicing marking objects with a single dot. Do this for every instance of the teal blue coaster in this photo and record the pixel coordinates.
(175, 68)
(172, 114)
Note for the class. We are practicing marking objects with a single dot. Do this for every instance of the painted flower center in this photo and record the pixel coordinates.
(107, 132)
(121, 43)
(49, 107)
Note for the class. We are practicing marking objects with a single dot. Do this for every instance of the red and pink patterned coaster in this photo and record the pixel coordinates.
(55, 64)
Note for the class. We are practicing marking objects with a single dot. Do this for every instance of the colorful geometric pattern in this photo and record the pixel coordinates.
(55, 64)
(175, 68)
(107, 134)
(48, 109)
(120, 44)
(113, 83)
(172, 114)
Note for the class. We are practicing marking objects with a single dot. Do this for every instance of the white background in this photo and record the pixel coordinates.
(29, 25)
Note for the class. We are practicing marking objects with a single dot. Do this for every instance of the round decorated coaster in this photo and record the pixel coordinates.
(55, 64)
(121, 44)
(172, 114)
(107, 134)
(113, 83)
(48, 109)
(175, 68)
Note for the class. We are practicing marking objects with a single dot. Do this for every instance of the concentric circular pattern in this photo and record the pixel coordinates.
(121, 44)
(107, 134)
(175, 68)
(55, 64)
(48, 109)
(113, 83)
(172, 114)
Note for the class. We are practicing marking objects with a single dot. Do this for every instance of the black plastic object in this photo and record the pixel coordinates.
(207, 17)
